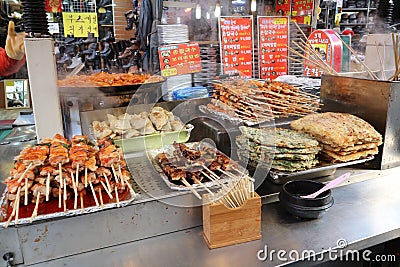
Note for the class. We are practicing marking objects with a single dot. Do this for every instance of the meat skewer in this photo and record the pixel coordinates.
(107, 182)
(116, 196)
(101, 198)
(94, 193)
(47, 186)
(14, 207)
(82, 206)
(106, 189)
(35, 211)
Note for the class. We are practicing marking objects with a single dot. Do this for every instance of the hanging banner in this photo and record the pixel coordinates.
(53, 6)
(179, 59)
(302, 7)
(282, 7)
(328, 47)
(236, 39)
(80, 24)
(273, 36)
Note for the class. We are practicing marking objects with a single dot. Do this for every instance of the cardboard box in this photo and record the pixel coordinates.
(223, 226)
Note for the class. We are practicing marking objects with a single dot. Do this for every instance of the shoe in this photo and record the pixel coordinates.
(69, 49)
(92, 47)
(130, 19)
(65, 59)
(69, 40)
(108, 38)
(129, 51)
(108, 18)
(92, 57)
(76, 61)
(90, 39)
(104, 3)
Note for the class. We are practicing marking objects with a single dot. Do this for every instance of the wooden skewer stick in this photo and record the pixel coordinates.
(93, 193)
(65, 195)
(131, 188)
(48, 187)
(116, 195)
(24, 173)
(59, 197)
(82, 206)
(203, 185)
(86, 178)
(60, 185)
(106, 189)
(76, 176)
(26, 192)
(114, 173)
(190, 187)
(120, 175)
(35, 211)
(60, 173)
(17, 211)
(101, 198)
(107, 182)
(14, 207)
(373, 76)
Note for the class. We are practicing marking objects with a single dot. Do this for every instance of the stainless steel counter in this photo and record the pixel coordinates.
(151, 233)
(364, 214)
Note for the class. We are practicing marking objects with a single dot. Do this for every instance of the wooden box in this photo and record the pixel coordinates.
(223, 226)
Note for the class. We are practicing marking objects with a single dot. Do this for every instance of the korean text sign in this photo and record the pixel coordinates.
(236, 39)
(272, 44)
(179, 59)
(80, 24)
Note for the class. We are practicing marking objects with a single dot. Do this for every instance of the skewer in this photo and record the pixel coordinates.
(116, 196)
(82, 206)
(60, 171)
(358, 58)
(60, 185)
(26, 192)
(65, 195)
(24, 173)
(130, 188)
(186, 183)
(106, 189)
(35, 211)
(59, 197)
(76, 176)
(101, 198)
(17, 211)
(93, 193)
(47, 186)
(203, 185)
(115, 175)
(14, 207)
(120, 175)
(107, 182)
(86, 180)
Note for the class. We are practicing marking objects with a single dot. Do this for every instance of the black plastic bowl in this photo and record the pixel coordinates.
(310, 208)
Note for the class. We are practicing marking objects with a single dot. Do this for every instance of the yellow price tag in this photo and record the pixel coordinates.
(280, 21)
(169, 72)
(79, 24)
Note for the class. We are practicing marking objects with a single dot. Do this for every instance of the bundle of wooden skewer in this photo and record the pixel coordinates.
(236, 192)
(57, 168)
(313, 58)
(256, 100)
(396, 74)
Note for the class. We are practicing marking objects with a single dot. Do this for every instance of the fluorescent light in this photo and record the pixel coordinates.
(15, 1)
(217, 11)
(198, 11)
(208, 15)
(253, 6)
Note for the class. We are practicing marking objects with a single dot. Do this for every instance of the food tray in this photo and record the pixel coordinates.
(169, 150)
(234, 120)
(322, 169)
(68, 213)
(154, 141)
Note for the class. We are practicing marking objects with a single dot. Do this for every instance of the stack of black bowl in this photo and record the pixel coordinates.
(385, 11)
(35, 20)
(309, 208)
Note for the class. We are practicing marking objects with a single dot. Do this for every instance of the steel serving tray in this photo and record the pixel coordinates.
(322, 169)
(169, 150)
(56, 215)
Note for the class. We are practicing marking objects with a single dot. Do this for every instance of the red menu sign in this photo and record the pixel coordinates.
(179, 59)
(328, 47)
(282, 7)
(236, 39)
(272, 46)
(302, 7)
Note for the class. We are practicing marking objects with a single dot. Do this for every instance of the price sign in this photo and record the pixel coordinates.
(302, 7)
(80, 24)
(328, 47)
(272, 44)
(236, 39)
(179, 59)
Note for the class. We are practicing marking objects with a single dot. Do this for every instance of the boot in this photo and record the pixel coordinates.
(65, 59)
(130, 19)
(129, 51)
(93, 56)
(108, 19)
(92, 47)
(76, 61)
(108, 38)
(90, 39)
(106, 52)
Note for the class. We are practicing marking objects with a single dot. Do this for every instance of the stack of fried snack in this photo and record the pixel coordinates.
(344, 137)
(65, 170)
(280, 149)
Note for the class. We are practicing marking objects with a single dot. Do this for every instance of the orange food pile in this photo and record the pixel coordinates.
(103, 79)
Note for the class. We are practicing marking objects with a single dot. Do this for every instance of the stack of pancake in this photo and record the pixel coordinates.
(344, 137)
(280, 149)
